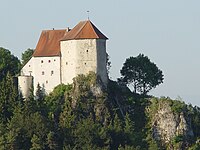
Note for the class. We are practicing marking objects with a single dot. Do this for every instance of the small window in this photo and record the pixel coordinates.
(49, 61)
(29, 65)
(46, 81)
(52, 72)
(85, 63)
(42, 72)
(66, 63)
(87, 51)
(54, 60)
(41, 61)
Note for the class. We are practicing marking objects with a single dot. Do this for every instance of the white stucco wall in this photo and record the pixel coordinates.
(24, 85)
(77, 57)
(46, 72)
(68, 61)
(27, 70)
(81, 57)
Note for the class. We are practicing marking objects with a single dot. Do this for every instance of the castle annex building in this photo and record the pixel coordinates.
(61, 55)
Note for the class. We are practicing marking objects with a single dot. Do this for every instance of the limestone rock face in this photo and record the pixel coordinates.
(166, 124)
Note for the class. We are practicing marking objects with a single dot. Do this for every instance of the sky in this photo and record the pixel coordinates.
(167, 31)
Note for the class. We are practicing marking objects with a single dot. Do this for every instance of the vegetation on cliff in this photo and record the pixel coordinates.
(87, 115)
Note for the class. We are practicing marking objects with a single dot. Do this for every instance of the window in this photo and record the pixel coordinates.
(46, 81)
(85, 63)
(66, 63)
(42, 72)
(41, 61)
(49, 61)
(51, 72)
(87, 51)
(29, 65)
(54, 60)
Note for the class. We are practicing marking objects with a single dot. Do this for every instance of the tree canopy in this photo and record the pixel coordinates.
(8, 63)
(84, 115)
(26, 56)
(141, 73)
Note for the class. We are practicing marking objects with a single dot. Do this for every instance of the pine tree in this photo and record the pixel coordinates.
(3, 140)
(116, 132)
(36, 143)
(51, 140)
(12, 136)
(8, 98)
(129, 130)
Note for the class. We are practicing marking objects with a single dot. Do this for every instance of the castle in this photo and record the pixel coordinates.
(61, 55)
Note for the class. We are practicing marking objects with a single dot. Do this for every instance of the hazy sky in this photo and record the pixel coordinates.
(168, 32)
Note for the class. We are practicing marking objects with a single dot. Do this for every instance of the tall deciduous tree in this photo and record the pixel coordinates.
(26, 56)
(141, 73)
(8, 63)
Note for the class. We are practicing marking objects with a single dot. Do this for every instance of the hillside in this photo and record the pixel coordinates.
(86, 115)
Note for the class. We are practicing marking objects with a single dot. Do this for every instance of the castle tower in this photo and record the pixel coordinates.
(83, 49)
(24, 85)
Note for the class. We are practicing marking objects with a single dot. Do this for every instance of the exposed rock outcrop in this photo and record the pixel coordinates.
(167, 124)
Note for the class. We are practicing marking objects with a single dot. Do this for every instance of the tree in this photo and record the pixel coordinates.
(52, 141)
(36, 143)
(129, 130)
(141, 73)
(26, 56)
(8, 63)
(108, 63)
(8, 97)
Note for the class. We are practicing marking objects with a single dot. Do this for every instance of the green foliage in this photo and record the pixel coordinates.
(153, 145)
(52, 141)
(141, 73)
(37, 143)
(195, 121)
(8, 63)
(196, 146)
(56, 99)
(8, 98)
(108, 63)
(26, 56)
(89, 135)
(83, 115)
(178, 106)
(23, 126)
(178, 138)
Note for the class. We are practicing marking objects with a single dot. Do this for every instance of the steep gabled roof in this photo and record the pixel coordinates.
(49, 43)
(84, 30)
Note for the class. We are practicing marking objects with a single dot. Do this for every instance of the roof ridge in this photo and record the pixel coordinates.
(93, 26)
(84, 30)
(54, 30)
(85, 22)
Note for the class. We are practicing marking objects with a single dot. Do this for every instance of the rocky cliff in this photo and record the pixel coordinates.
(170, 123)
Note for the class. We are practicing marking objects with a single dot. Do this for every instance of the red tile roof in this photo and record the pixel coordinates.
(49, 43)
(84, 30)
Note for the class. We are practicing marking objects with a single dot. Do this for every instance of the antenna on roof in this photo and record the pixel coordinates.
(88, 14)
